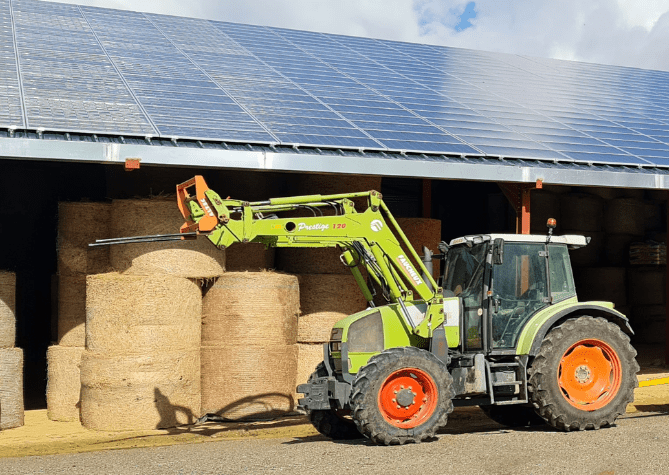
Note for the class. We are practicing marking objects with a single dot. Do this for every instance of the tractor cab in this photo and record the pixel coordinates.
(505, 279)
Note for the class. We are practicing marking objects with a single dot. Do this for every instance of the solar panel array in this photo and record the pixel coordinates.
(80, 69)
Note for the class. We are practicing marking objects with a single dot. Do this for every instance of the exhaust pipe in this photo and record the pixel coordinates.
(427, 262)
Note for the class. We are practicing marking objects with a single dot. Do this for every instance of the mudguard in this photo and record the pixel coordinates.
(593, 309)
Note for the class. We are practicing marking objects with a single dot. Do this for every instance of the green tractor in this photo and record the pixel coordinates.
(514, 340)
(502, 328)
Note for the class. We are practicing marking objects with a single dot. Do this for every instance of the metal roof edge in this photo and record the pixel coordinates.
(307, 161)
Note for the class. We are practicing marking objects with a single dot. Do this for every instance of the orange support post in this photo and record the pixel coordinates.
(518, 195)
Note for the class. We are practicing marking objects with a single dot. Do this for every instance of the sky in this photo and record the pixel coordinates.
(621, 32)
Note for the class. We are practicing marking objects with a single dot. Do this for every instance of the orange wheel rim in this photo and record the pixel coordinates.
(589, 374)
(408, 397)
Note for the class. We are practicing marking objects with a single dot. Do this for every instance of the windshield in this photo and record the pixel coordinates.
(464, 270)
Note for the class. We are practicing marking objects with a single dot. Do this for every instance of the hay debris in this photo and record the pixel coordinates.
(194, 259)
(248, 382)
(136, 392)
(324, 300)
(7, 309)
(249, 257)
(137, 314)
(64, 383)
(11, 388)
(72, 310)
(251, 308)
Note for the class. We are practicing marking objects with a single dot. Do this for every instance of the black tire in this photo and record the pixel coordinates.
(513, 415)
(331, 423)
(551, 401)
(434, 388)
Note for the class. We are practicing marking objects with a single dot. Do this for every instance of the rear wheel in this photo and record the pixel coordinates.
(401, 395)
(336, 425)
(513, 416)
(584, 374)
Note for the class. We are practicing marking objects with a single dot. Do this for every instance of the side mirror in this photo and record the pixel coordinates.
(498, 251)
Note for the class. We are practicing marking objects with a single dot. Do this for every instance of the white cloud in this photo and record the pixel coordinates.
(623, 32)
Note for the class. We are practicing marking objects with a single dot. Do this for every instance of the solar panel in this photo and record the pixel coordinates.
(11, 113)
(68, 82)
(120, 72)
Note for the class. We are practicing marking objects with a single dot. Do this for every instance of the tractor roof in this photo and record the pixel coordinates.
(572, 240)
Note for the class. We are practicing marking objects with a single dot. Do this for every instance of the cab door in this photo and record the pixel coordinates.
(519, 289)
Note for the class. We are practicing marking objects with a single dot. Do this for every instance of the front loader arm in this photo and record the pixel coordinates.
(371, 239)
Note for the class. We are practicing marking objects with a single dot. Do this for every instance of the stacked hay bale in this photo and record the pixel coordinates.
(141, 368)
(544, 205)
(583, 214)
(249, 356)
(11, 359)
(79, 224)
(251, 257)
(195, 259)
(323, 261)
(637, 289)
(423, 232)
(324, 300)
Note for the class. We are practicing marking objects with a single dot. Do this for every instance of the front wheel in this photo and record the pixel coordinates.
(584, 374)
(329, 422)
(401, 395)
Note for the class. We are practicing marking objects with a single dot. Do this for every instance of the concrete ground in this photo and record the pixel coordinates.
(471, 444)
(40, 436)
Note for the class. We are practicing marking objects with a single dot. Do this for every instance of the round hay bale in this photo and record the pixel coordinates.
(80, 224)
(63, 386)
(655, 216)
(602, 284)
(625, 216)
(647, 285)
(557, 189)
(657, 195)
(11, 388)
(127, 313)
(423, 232)
(317, 184)
(7, 309)
(195, 259)
(543, 205)
(617, 249)
(324, 300)
(252, 308)
(604, 193)
(136, 392)
(72, 310)
(591, 254)
(310, 261)
(249, 257)
(634, 193)
(649, 324)
(248, 382)
(308, 357)
(581, 211)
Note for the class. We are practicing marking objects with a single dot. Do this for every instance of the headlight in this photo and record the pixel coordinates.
(335, 346)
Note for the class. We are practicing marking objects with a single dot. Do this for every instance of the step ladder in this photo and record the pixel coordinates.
(520, 379)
